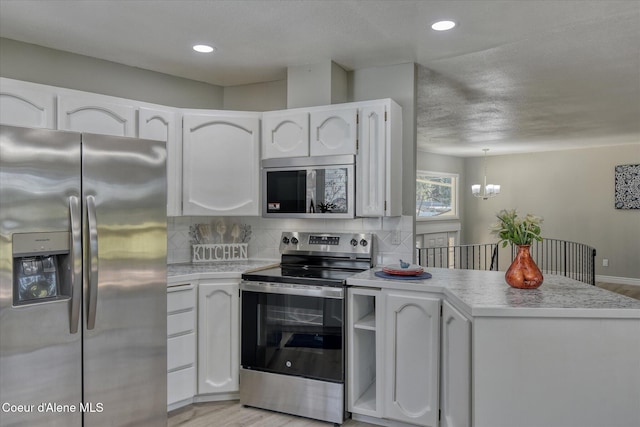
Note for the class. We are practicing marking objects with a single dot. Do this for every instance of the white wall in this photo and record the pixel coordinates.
(28, 62)
(573, 190)
(311, 85)
(268, 96)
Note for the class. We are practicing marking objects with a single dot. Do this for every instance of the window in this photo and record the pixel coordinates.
(436, 195)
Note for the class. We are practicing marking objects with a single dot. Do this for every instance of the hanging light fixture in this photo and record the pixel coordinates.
(485, 191)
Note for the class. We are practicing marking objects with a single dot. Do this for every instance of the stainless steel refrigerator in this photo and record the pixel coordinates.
(82, 280)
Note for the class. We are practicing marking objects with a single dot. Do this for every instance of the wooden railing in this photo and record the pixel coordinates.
(553, 256)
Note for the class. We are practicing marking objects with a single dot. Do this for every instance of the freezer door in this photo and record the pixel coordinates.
(40, 343)
(124, 198)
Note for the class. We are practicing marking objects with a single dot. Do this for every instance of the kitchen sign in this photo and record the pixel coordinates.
(219, 252)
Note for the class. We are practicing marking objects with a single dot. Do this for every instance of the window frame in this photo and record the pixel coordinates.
(455, 202)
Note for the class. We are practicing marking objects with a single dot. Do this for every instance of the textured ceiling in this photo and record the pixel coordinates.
(514, 76)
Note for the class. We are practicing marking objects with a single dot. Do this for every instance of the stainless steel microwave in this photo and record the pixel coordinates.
(308, 187)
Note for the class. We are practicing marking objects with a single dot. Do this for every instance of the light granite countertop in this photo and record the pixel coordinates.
(485, 293)
(177, 273)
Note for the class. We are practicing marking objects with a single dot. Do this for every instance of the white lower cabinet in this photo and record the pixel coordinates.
(455, 370)
(218, 336)
(398, 381)
(365, 352)
(181, 343)
(412, 323)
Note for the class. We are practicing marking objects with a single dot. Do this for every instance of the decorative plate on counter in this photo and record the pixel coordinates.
(397, 270)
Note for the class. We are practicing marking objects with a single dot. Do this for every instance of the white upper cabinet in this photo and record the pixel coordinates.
(160, 125)
(333, 131)
(285, 134)
(221, 163)
(27, 104)
(316, 131)
(379, 159)
(96, 114)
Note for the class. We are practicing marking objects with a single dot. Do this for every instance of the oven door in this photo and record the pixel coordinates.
(293, 330)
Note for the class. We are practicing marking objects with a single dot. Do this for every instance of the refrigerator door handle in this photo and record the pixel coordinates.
(92, 258)
(76, 262)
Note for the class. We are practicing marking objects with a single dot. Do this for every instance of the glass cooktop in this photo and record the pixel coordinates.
(316, 276)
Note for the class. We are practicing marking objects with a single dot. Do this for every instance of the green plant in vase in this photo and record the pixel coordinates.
(523, 272)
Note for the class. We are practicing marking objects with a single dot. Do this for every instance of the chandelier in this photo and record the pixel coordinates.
(485, 191)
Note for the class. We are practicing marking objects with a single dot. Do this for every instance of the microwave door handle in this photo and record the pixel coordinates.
(92, 261)
(76, 262)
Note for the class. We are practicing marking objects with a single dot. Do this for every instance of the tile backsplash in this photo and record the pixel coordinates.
(393, 236)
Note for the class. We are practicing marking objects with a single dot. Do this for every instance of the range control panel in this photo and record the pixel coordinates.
(324, 240)
(326, 243)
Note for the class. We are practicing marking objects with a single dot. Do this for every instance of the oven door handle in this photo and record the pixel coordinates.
(287, 289)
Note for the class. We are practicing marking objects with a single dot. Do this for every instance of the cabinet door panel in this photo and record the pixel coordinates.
(218, 338)
(285, 135)
(456, 368)
(221, 165)
(21, 105)
(412, 332)
(160, 125)
(333, 132)
(94, 115)
(371, 162)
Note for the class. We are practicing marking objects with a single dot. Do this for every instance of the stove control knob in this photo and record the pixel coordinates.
(294, 240)
(354, 242)
(363, 242)
(285, 240)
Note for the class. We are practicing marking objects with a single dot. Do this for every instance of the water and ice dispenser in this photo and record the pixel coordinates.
(41, 267)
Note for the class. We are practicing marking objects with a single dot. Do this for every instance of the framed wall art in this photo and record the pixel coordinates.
(627, 189)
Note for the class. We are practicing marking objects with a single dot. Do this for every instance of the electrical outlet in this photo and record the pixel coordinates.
(396, 237)
(605, 262)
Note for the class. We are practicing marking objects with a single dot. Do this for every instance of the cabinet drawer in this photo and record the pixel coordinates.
(181, 385)
(181, 351)
(180, 298)
(181, 323)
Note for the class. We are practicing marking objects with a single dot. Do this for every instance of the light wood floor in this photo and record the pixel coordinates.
(232, 414)
(632, 291)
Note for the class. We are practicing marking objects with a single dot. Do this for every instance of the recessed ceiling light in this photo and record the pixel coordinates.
(443, 25)
(203, 48)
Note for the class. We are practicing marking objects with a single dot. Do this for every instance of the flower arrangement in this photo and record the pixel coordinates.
(514, 230)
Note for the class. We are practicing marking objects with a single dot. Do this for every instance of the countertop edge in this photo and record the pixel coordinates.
(459, 288)
(179, 273)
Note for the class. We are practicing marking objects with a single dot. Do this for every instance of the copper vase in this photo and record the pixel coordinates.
(523, 272)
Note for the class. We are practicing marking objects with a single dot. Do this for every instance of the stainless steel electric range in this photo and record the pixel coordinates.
(292, 325)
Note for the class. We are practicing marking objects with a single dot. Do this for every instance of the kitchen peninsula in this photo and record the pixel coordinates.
(565, 354)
